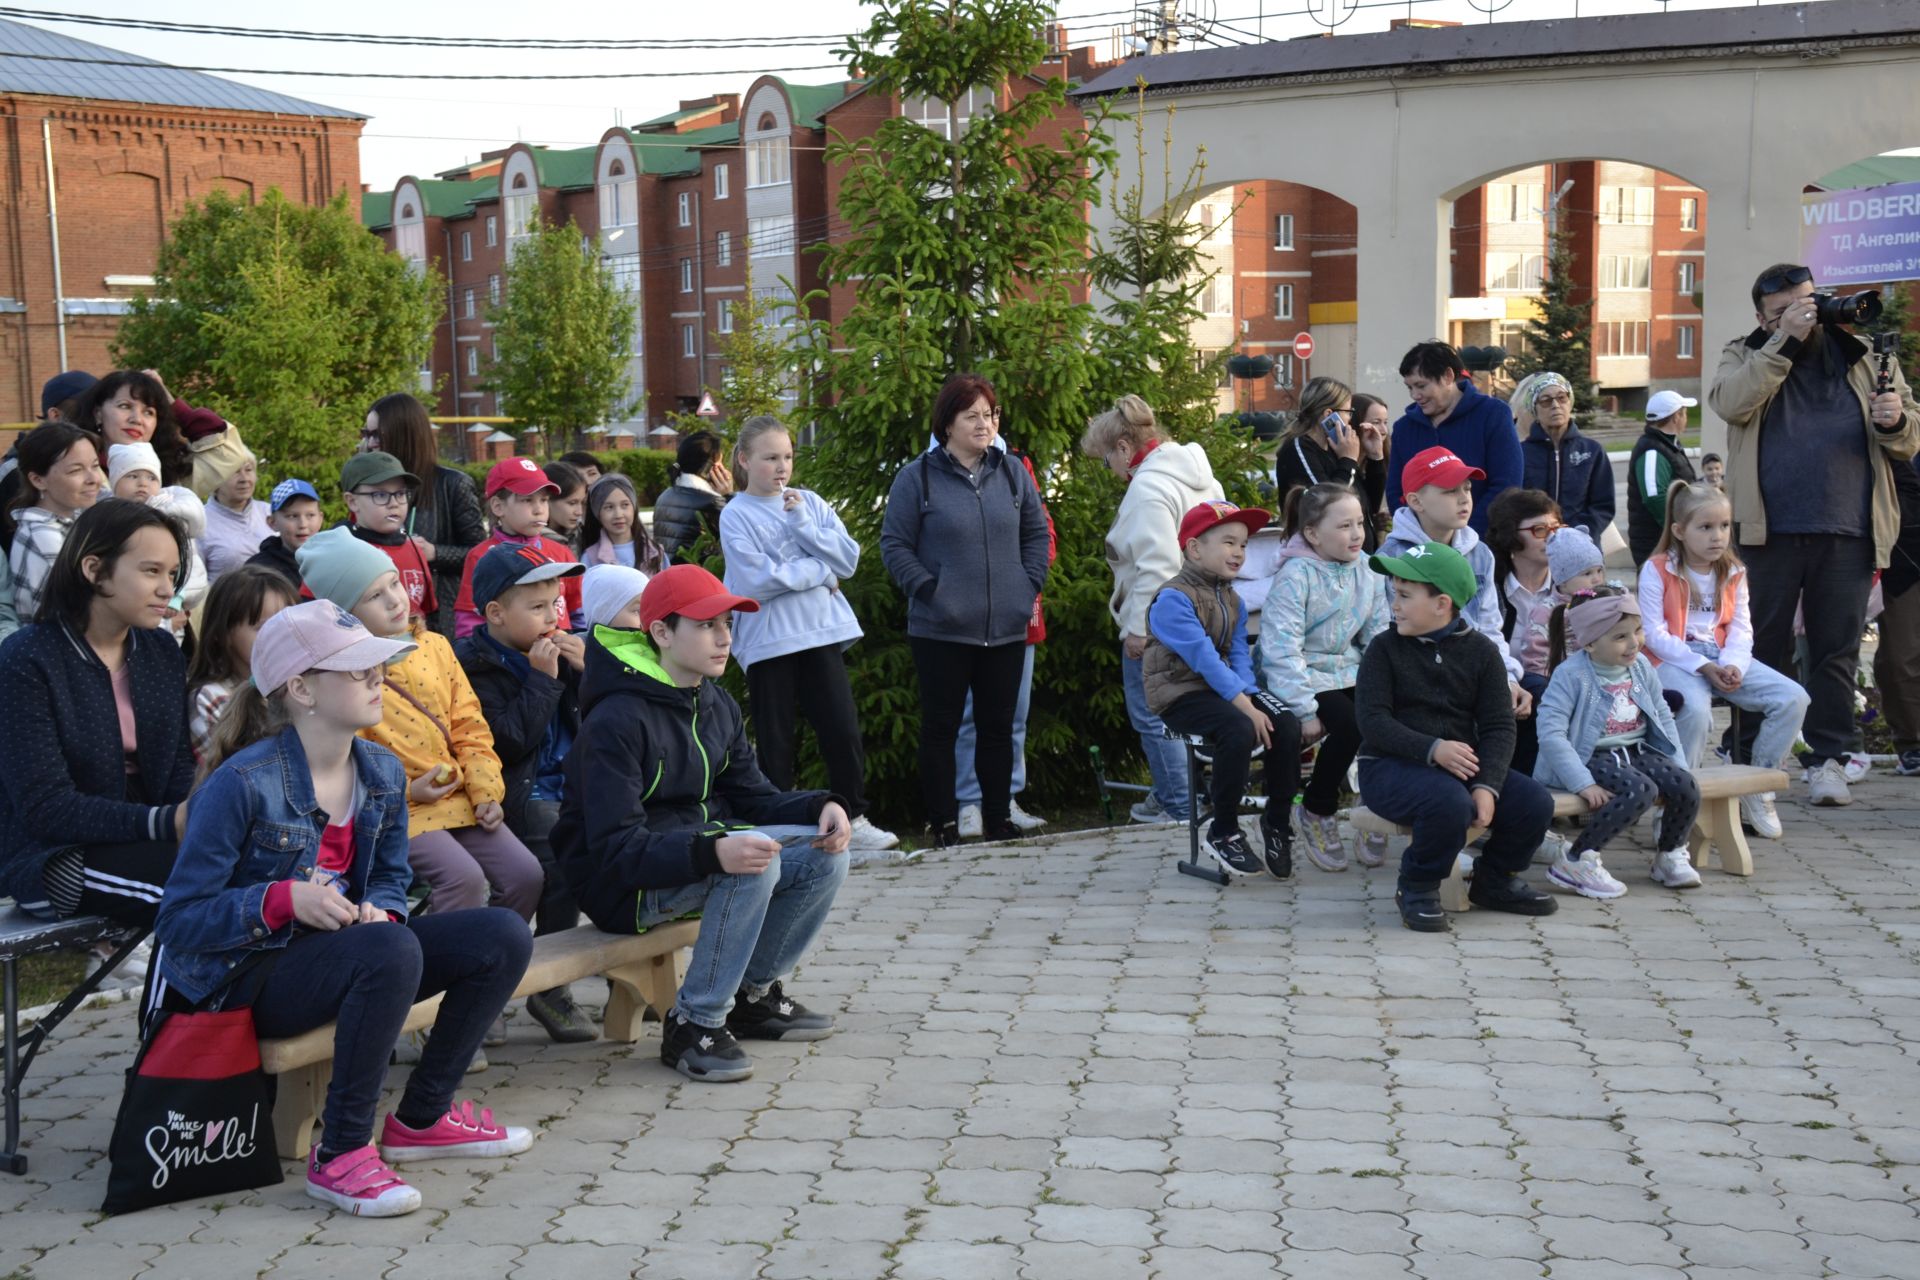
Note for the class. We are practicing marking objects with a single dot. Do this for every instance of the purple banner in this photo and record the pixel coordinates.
(1863, 236)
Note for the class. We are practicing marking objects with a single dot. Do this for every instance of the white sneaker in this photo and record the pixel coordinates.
(1016, 815)
(1553, 849)
(868, 836)
(1586, 877)
(1757, 812)
(972, 825)
(1373, 849)
(1148, 811)
(1674, 869)
(1828, 785)
(1859, 764)
(1466, 864)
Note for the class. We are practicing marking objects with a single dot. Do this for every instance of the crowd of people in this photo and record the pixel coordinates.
(339, 770)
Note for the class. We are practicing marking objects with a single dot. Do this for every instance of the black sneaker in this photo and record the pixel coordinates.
(702, 1053)
(1420, 908)
(1231, 852)
(1495, 892)
(946, 836)
(1909, 763)
(776, 1016)
(556, 1011)
(1277, 849)
(995, 832)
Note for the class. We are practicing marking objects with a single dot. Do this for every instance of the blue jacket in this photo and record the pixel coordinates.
(1480, 433)
(1483, 612)
(1572, 717)
(1577, 475)
(256, 822)
(63, 777)
(969, 558)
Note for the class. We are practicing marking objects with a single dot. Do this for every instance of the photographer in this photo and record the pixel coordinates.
(1811, 444)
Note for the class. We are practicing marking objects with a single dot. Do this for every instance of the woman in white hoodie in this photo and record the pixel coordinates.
(1164, 480)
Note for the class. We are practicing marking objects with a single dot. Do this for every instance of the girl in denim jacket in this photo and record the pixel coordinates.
(295, 859)
(1606, 732)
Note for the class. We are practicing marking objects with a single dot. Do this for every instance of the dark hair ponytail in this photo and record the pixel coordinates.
(1557, 624)
(1306, 507)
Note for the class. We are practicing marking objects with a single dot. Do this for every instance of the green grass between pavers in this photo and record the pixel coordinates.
(45, 978)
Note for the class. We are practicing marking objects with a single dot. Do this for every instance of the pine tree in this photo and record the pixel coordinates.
(757, 364)
(1897, 317)
(1560, 335)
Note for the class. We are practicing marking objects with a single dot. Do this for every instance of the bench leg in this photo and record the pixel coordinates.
(1192, 866)
(651, 984)
(1719, 825)
(298, 1097)
(11, 1161)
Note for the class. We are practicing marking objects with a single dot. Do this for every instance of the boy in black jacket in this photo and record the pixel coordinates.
(525, 669)
(1437, 730)
(666, 814)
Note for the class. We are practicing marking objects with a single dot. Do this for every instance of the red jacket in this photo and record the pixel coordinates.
(466, 619)
(1037, 627)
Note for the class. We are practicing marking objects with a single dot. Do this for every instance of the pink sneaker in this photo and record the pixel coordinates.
(460, 1132)
(359, 1182)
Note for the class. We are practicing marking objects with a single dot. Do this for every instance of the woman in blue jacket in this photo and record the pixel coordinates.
(965, 540)
(97, 760)
(1449, 411)
(1557, 460)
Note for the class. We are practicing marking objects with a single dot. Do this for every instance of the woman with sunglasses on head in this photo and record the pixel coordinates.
(1518, 527)
(1327, 442)
(1560, 462)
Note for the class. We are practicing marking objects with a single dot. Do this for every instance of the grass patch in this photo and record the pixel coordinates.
(45, 978)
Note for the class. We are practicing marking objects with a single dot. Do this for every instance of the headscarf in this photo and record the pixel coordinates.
(1593, 616)
(1528, 391)
(604, 487)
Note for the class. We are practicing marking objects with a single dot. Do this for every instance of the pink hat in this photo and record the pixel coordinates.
(317, 636)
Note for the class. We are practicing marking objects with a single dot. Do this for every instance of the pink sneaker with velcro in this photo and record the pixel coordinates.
(465, 1130)
(361, 1183)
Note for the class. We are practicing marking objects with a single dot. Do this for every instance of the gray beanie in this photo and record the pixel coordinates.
(1570, 551)
(339, 567)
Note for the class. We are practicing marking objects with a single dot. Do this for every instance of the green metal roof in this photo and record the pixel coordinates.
(1876, 171)
(376, 209)
(810, 101)
(564, 169)
(443, 198)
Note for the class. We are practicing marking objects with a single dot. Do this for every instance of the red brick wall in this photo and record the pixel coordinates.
(1669, 238)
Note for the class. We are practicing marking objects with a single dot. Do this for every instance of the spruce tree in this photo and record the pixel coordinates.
(1560, 335)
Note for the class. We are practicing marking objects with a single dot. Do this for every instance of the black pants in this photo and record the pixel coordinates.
(947, 672)
(1230, 734)
(1439, 808)
(1337, 747)
(119, 881)
(1829, 577)
(1526, 732)
(814, 683)
(1637, 777)
(557, 910)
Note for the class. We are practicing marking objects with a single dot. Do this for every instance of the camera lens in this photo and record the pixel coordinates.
(1853, 309)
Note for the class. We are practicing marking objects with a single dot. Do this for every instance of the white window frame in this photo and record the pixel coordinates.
(688, 347)
(1634, 268)
(493, 231)
(769, 161)
(721, 182)
(1689, 277)
(1689, 213)
(686, 275)
(770, 237)
(1283, 302)
(686, 208)
(466, 305)
(723, 248)
(466, 246)
(473, 360)
(726, 315)
(522, 210)
(1683, 342)
(493, 289)
(1283, 232)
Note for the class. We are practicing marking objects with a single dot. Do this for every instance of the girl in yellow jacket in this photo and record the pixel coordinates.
(457, 838)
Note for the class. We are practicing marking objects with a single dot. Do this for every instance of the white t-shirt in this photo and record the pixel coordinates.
(1701, 619)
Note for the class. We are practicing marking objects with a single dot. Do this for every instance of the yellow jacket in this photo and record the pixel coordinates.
(433, 676)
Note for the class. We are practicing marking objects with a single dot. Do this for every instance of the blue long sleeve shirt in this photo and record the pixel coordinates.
(1175, 624)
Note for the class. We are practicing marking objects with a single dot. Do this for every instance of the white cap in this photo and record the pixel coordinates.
(122, 458)
(1664, 404)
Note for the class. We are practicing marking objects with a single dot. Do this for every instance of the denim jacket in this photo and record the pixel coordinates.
(255, 822)
(1573, 716)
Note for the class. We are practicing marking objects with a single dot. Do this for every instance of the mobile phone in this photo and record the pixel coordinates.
(1334, 425)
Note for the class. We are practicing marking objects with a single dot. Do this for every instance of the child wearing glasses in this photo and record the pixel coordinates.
(379, 495)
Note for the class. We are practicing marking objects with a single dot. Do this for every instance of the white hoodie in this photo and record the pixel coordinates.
(1143, 546)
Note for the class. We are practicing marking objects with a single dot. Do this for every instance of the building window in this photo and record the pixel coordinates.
(935, 114)
(720, 182)
(723, 249)
(1283, 302)
(775, 303)
(1627, 206)
(1689, 214)
(625, 271)
(520, 211)
(493, 290)
(1216, 295)
(1503, 270)
(410, 242)
(686, 208)
(619, 201)
(726, 315)
(1620, 338)
(1684, 336)
(466, 305)
(686, 275)
(1513, 201)
(768, 161)
(1283, 231)
(493, 232)
(1689, 277)
(686, 340)
(1625, 271)
(770, 237)
(466, 246)
(473, 361)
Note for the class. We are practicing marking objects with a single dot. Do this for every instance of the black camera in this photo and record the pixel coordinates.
(1852, 308)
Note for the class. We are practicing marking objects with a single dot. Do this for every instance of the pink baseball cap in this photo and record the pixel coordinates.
(1438, 465)
(317, 636)
(518, 475)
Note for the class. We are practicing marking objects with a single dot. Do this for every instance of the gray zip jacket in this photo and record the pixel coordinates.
(970, 557)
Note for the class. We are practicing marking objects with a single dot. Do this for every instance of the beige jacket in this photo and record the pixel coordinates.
(1751, 371)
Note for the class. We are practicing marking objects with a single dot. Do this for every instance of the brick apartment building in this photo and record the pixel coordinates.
(130, 145)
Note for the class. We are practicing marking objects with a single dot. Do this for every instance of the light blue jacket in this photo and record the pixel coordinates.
(792, 562)
(1483, 614)
(1573, 717)
(1317, 621)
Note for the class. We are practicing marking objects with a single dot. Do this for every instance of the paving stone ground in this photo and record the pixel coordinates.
(1063, 1059)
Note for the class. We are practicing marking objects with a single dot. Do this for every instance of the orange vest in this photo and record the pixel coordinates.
(1676, 593)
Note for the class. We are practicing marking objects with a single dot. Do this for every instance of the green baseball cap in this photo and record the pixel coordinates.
(1436, 564)
(374, 468)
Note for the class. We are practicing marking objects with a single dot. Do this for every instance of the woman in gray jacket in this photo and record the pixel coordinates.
(965, 540)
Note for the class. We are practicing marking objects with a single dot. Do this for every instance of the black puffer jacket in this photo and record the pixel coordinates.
(453, 522)
(657, 775)
(518, 711)
(682, 514)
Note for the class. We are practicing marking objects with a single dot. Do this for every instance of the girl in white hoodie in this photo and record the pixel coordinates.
(788, 549)
(1325, 607)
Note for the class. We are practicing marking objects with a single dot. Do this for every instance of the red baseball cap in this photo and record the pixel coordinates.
(1438, 465)
(1209, 515)
(691, 592)
(518, 475)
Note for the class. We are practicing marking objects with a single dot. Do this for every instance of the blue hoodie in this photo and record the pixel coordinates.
(1483, 614)
(1479, 432)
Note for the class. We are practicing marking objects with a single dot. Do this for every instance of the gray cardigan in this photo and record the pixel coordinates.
(1573, 716)
(969, 558)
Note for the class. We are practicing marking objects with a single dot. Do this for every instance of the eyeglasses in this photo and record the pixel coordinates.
(1555, 397)
(384, 497)
(1544, 530)
(367, 675)
(1784, 281)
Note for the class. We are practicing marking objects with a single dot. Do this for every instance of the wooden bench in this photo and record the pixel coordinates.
(1717, 826)
(644, 969)
(22, 935)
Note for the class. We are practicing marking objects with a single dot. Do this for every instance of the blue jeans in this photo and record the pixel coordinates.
(1166, 759)
(753, 929)
(1439, 809)
(967, 789)
(1781, 703)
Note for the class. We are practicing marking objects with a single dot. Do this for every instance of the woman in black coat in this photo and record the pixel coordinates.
(691, 508)
(1328, 443)
(447, 521)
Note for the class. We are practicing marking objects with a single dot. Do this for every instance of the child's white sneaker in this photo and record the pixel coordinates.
(1585, 876)
(972, 826)
(1554, 848)
(867, 836)
(1373, 849)
(1322, 838)
(1674, 869)
(1757, 811)
(1465, 863)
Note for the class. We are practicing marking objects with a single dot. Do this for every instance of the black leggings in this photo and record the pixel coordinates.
(1337, 747)
(119, 881)
(947, 672)
(813, 683)
(1229, 735)
(1637, 776)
